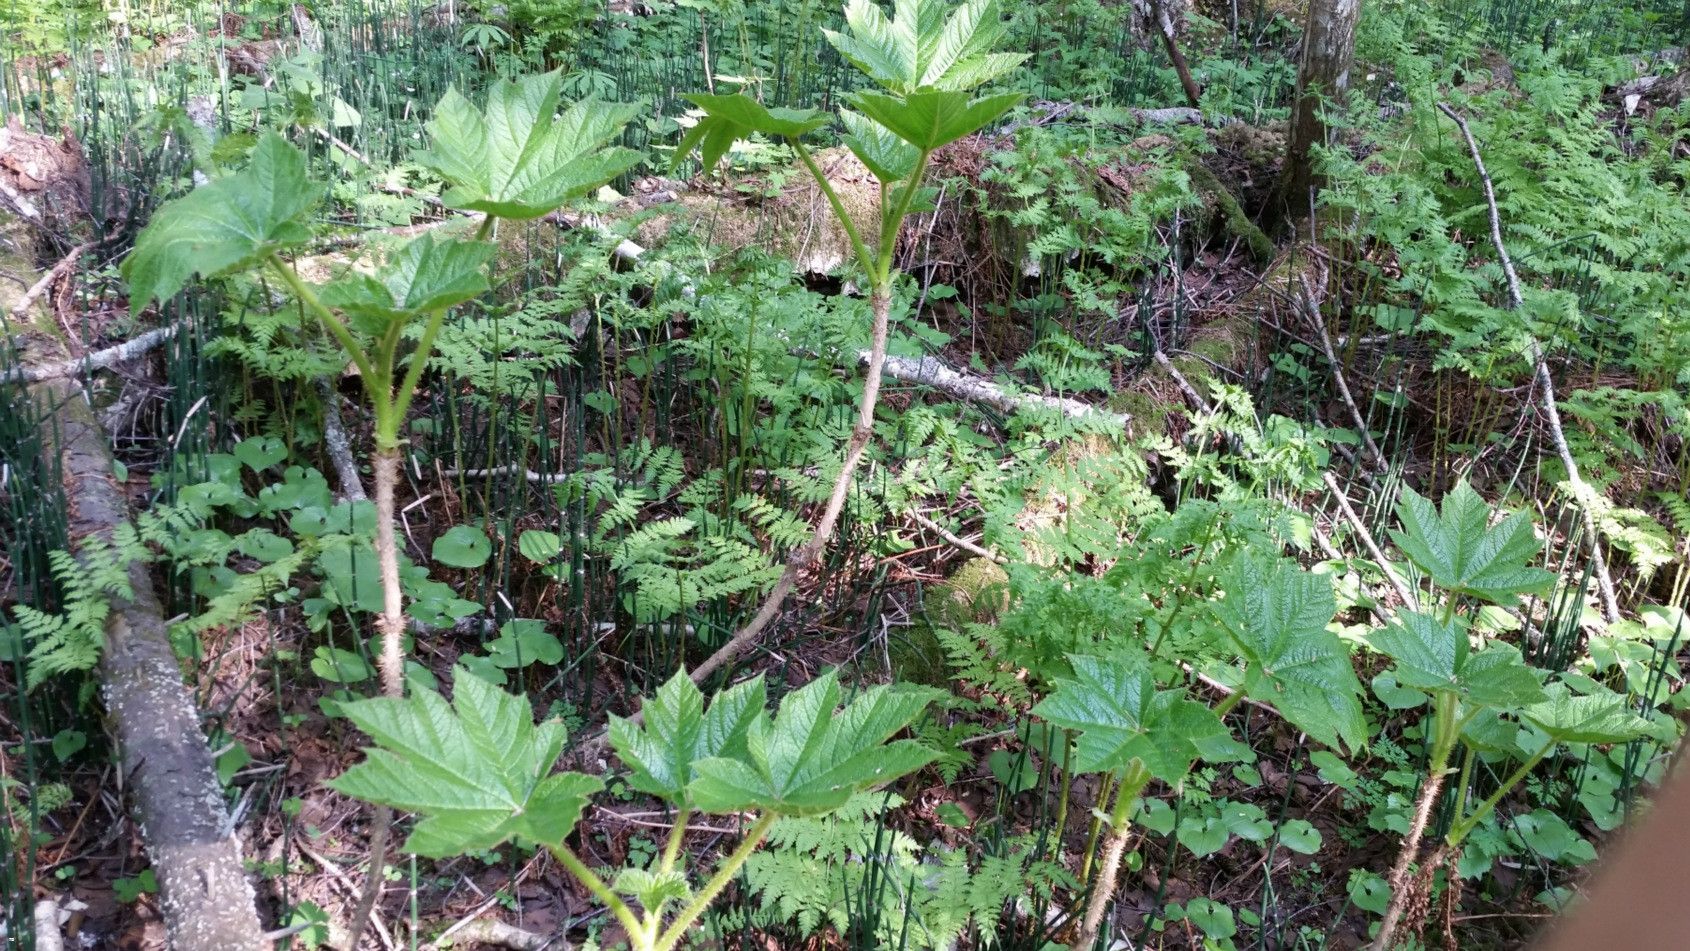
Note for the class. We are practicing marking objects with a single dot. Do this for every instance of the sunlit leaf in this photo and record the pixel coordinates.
(1277, 614)
(476, 771)
(679, 731)
(1122, 717)
(813, 756)
(425, 275)
(1460, 550)
(228, 223)
(518, 158)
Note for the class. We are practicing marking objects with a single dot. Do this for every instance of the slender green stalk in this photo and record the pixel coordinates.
(305, 295)
(864, 260)
(672, 849)
(1464, 827)
(586, 876)
(1232, 700)
(707, 894)
(889, 224)
(413, 374)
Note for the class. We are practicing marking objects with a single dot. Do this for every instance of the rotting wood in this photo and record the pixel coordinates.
(207, 901)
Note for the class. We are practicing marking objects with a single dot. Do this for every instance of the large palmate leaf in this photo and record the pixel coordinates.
(1433, 655)
(517, 158)
(679, 732)
(1276, 614)
(423, 276)
(932, 118)
(1585, 718)
(229, 223)
(729, 118)
(477, 771)
(920, 47)
(1122, 717)
(1460, 550)
(813, 756)
(890, 158)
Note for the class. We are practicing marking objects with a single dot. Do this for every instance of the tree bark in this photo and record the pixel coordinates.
(1323, 76)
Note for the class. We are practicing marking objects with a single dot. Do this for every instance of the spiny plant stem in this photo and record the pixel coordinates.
(586, 876)
(807, 553)
(1132, 783)
(386, 472)
(730, 867)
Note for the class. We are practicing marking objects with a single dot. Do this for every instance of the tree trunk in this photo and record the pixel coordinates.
(1323, 76)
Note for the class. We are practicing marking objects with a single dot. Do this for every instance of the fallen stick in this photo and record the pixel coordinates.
(1582, 491)
(932, 372)
(53, 274)
(99, 360)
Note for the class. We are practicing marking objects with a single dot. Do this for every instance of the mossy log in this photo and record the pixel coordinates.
(178, 803)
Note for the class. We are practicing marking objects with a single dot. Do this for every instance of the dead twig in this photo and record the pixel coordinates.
(1583, 493)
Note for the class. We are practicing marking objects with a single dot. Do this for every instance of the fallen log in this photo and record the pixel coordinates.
(178, 803)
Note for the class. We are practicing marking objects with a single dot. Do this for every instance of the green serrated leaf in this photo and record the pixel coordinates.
(1122, 717)
(813, 756)
(1276, 614)
(890, 158)
(1460, 550)
(224, 225)
(1585, 718)
(1433, 655)
(922, 47)
(425, 275)
(931, 118)
(517, 158)
(477, 772)
(679, 732)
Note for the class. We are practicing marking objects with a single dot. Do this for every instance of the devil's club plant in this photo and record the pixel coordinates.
(926, 60)
(477, 772)
(1472, 688)
(518, 159)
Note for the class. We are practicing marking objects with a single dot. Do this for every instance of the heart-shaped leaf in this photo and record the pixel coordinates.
(813, 756)
(1122, 717)
(522, 642)
(517, 158)
(477, 771)
(226, 224)
(679, 732)
(1277, 614)
(1463, 553)
(463, 547)
(423, 276)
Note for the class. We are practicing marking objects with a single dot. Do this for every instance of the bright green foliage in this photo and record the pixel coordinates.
(933, 118)
(813, 755)
(1435, 655)
(1276, 614)
(1460, 550)
(478, 771)
(425, 275)
(1603, 717)
(517, 159)
(679, 732)
(229, 223)
(919, 47)
(730, 118)
(886, 156)
(1122, 717)
(462, 547)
